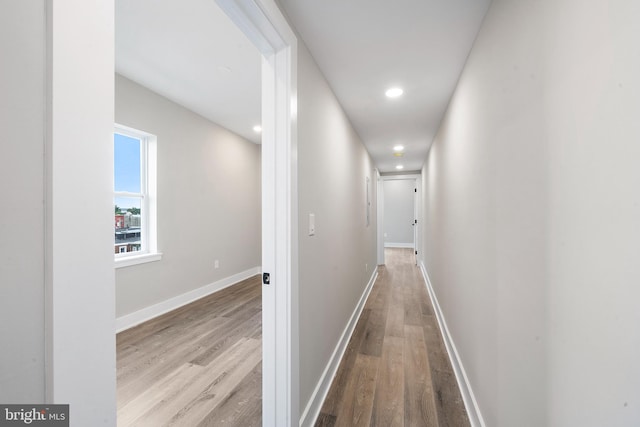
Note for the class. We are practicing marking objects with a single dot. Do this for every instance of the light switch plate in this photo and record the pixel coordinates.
(312, 224)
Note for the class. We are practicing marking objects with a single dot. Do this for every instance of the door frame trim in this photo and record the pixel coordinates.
(417, 210)
(265, 26)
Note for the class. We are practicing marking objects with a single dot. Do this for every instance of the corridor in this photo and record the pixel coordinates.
(395, 371)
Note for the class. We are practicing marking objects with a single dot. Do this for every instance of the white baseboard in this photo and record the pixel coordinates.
(133, 319)
(473, 410)
(312, 410)
(398, 245)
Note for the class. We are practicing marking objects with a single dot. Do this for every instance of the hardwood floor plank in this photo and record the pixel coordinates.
(233, 331)
(438, 357)
(425, 302)
(160, 360)
(242, 407)
(334, 399)
(388, 407)
(193, 402)
(412, 311)
(414, 383)
(419, 408)
(377, 323)
(395, 316)
(190, 313)
(380, 301)
(359, 393)
(325, 420)
(449, 403)
(205, 401)
(374, 333)
(159, 386)
(165, 390)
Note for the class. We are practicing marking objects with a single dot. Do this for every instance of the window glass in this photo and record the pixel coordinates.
(134, 205)
(130, 198)
(128, 216)
(127, 176)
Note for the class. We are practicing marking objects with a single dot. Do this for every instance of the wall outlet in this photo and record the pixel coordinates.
(216, 264)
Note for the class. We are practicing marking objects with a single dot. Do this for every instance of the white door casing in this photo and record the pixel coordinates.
(415, 178)
(263, 23)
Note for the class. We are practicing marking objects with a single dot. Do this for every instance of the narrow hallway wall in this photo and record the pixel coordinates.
(531, 214)
(22, 135)
(338, 261)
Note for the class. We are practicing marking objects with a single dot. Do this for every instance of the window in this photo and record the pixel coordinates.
(134, 197)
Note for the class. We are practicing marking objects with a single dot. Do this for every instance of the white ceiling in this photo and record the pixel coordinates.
(190, 52)
(182, 50)
(365, 46)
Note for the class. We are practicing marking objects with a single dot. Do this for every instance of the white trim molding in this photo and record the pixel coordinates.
(266, 27)
(137, 259)
(470, 402)
(312, 410)
(137, 317)
(399, 245)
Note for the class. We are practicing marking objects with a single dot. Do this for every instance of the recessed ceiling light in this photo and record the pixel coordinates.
(257, 128)
(398, 148)
(399, 167)
(394, 92)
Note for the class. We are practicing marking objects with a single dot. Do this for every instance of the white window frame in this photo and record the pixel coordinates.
(148, 200)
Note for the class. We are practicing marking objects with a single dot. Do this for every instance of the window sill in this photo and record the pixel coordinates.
(137, 259)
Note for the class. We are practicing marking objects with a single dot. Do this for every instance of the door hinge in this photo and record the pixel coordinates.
(416, 252)
(266, 278)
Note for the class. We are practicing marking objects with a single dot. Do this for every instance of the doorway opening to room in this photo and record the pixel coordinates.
(206, 178)
(398, 216)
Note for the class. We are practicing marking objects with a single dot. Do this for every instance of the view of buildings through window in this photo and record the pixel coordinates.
(129, 192)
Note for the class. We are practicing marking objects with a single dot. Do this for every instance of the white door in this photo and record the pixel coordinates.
(399, 213)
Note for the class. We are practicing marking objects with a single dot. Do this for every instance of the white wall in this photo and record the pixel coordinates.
(22, 132)
(399, 212)
(531, 213)
(56, 93)
(208, 200)
(335, 264)
(79, 276)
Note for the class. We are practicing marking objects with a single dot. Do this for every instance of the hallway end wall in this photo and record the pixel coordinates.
(399, 212)
(531, 211)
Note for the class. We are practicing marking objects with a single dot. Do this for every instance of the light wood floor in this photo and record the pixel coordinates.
(200, 365)
(395, 371)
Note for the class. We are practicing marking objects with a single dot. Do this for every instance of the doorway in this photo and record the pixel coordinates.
(265, 27)
(85, 107)
(398, 214)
